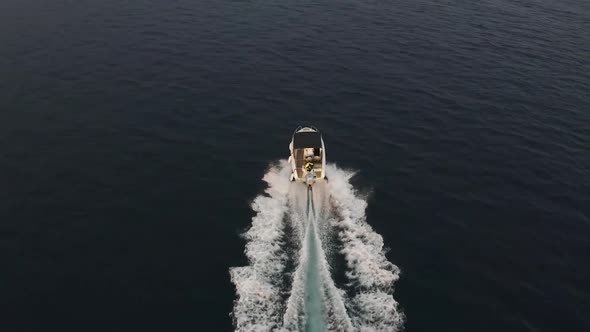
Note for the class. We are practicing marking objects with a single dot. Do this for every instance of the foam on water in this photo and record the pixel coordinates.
(314, 301)
(258, 304)
(312, 283)
(371, 275)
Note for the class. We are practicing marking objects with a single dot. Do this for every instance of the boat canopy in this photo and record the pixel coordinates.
(307, 139)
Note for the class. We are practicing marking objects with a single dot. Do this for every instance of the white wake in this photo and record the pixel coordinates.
(258, 305)
(372, 276)
(312, 278)
(287, 239)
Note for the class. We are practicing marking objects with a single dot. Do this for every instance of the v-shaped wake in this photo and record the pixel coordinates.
(288, 284)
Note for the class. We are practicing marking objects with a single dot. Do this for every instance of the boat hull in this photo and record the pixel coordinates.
(308, 156)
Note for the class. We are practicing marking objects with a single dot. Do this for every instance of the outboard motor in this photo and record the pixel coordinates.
(310, 178)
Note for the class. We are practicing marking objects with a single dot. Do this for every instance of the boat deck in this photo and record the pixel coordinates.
(300, 163)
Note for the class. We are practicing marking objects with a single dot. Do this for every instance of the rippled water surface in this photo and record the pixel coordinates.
(134, 136)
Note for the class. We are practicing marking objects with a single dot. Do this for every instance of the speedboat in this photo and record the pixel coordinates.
(308, 155)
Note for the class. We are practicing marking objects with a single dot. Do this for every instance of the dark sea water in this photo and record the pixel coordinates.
(134, 136)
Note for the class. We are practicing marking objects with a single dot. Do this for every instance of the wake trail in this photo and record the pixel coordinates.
(371, 276)
(258, 285)
(287, 284)
(315, 304)
(313, 300)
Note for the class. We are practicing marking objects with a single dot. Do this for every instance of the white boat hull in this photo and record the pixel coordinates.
(308, 156)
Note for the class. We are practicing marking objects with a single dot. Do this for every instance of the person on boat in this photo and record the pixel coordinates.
(309, 166)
